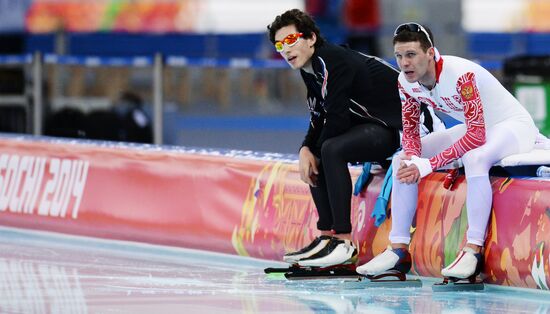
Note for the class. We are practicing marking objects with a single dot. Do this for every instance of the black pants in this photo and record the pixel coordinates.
(332, 196)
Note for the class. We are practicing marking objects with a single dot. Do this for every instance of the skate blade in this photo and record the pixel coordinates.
(283, 270)
(315, 273)
(365, 283)
(353, 278)
(457, 286)
(275, 276)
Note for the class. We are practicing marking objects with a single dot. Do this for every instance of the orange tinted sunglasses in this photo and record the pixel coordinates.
(289, 40)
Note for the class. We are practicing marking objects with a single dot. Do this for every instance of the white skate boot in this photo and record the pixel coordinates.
(314, 247)
(337, 252)
(461, 274)
(391, 262)
(467, 265)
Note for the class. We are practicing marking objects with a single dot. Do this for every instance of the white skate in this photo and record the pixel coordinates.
(461, 274)
(466, 265)
(379, 264)
(393, 263)
(337, 252)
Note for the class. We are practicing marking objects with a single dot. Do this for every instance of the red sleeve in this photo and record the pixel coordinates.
(411, 123)
(473, 117)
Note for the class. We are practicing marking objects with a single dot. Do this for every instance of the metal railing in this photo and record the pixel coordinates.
(37, 62)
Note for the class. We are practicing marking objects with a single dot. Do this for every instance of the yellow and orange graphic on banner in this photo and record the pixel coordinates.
(112, 15)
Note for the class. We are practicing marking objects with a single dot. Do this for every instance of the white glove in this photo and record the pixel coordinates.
(423, 165)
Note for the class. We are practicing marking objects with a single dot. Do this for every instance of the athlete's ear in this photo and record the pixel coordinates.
(431, 52)
(311, 41)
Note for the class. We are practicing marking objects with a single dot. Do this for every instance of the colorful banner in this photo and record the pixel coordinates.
(252, 207)
(151, 16)
(111, 15)
(507, 16)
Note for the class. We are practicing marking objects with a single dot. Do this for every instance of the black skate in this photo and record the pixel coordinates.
(336, 252)
(336, 260)
(313, 248)
(293, 257)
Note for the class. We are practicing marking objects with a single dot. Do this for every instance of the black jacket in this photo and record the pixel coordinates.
(348, 88)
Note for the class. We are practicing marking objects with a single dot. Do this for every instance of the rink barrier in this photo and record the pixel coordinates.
(251, 204)
(15, 59)
(92, 61)
(144, 61)
(175, 61)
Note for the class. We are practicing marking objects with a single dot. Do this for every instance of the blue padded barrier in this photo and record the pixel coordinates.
(128, 45)
(495, 44)
(538, 44)
(174, 61)
(144, 61)
(15, 59)
(239, 45)
(121, 44)
(180, 61)
(40, 42)
(98, 61)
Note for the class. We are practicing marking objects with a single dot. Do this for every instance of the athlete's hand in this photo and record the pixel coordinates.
(407, 174)
(307, 166)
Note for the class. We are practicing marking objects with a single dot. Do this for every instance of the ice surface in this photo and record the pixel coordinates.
(51, 273)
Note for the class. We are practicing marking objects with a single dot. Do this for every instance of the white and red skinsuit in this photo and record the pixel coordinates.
(495, 125)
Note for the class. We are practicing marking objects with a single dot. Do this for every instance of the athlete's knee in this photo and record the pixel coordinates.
(476, 162)
(396, 161)
(330, 149)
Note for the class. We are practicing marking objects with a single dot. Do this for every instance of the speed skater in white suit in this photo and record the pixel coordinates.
(495, 125)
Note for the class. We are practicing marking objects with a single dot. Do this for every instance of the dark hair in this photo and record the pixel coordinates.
(408, 36)
(304, 24)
